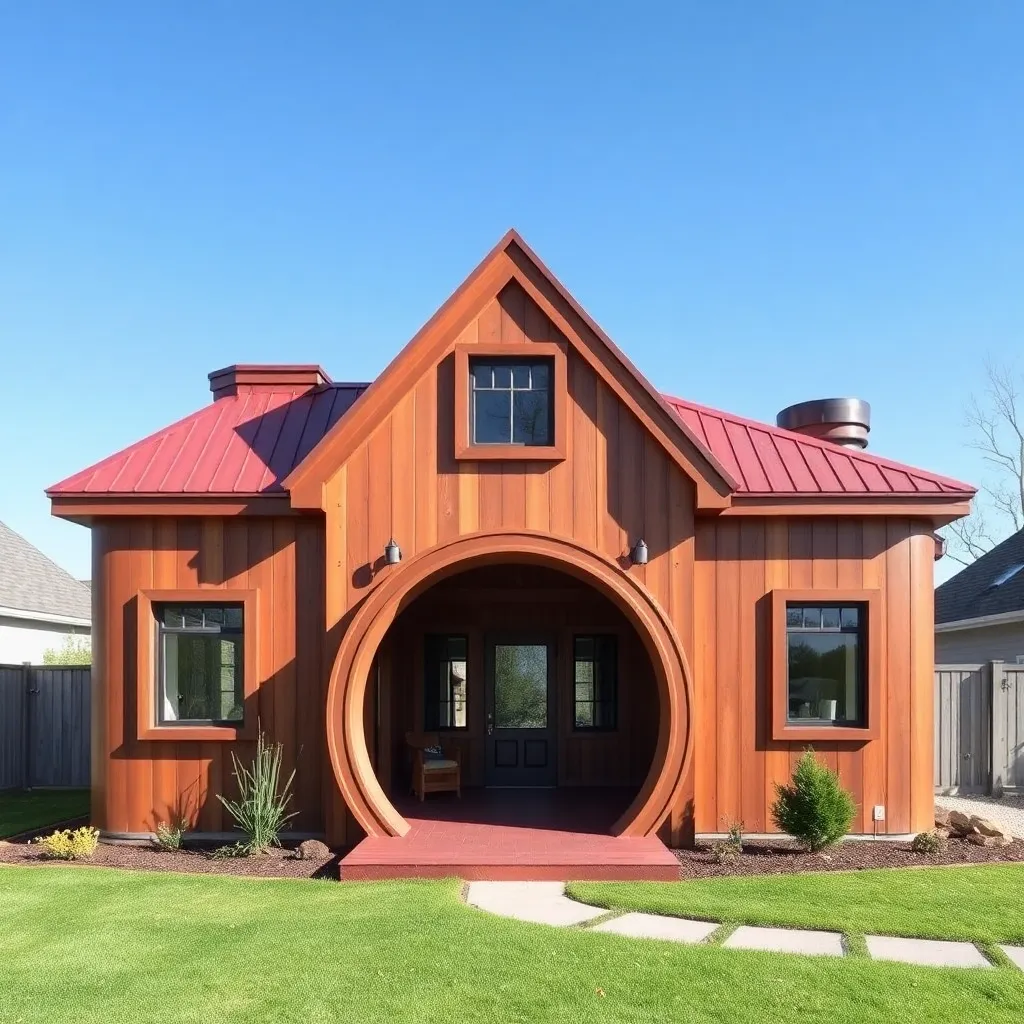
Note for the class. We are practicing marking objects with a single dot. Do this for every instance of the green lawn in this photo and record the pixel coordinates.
(93, 944)
(978, 904)
(21, 810)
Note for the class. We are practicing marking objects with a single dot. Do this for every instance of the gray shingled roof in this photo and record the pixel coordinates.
(973, 592)
(30, 582)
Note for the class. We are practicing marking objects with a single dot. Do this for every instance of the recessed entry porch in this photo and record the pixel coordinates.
(542, 690)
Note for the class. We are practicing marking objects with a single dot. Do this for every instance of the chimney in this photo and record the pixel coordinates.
(266, 377)
(843, 421)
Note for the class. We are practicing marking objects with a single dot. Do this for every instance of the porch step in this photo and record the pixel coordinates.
(504, 853)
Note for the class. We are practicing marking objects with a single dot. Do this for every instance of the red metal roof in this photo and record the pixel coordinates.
(243, 443)
(768, 460)
(246, 443)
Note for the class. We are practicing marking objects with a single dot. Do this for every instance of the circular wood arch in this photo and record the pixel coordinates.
(346, 739)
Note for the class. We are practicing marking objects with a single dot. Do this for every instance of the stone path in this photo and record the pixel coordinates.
(1007, 811)
(546, 903)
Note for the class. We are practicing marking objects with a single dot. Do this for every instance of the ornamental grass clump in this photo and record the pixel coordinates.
(261, 810)
(67, 845)
(814, 808)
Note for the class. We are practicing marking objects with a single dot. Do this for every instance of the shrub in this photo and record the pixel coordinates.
(67, 845)
(261, 809)
(170, 833)
(731, 847)
(227, 852)
(932, 841)
(815, 809)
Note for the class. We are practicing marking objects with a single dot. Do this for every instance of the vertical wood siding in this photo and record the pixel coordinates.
(738, 563)
(615, 486)
(136, 784)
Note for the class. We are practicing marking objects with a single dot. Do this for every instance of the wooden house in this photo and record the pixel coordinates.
(590, 591)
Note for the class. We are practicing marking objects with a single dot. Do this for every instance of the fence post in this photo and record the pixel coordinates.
(998, 748)
(26, 726)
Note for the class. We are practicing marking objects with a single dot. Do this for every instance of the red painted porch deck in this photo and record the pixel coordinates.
(513, 835)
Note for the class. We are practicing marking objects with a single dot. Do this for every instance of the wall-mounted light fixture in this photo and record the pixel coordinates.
(392, 553)
(638, 556)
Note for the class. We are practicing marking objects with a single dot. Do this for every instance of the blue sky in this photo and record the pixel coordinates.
(761, 203)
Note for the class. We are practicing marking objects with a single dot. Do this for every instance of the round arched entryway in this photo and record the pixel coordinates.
(350, 758)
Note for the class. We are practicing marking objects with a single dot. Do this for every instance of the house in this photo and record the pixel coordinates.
(40, 604)
(510, 538)
(979, 612)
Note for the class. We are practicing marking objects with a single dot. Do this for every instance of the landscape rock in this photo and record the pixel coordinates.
(982, 840)
(959, 823)
(941, 817)
(986, 827)
(312, 849)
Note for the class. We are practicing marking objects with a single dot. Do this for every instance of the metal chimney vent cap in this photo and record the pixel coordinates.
(844, 421)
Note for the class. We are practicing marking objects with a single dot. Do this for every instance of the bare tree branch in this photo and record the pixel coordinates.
(997, 432)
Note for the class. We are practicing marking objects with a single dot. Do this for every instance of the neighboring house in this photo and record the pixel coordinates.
(40, 604)
(511, 538)
(979, 612)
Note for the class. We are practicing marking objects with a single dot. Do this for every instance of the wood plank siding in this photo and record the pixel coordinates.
(737, 764)
(711, 576)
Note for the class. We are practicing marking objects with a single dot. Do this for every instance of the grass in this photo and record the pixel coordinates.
(975, 904)
(21, 810)
(99, 945)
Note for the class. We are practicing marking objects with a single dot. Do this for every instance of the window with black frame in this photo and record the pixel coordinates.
(826, 648)
(200, 663)
(595, 677)
(510, 401)
(444, 681)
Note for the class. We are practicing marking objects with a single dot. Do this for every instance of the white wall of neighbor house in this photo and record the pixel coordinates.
(1001, 642)
(25, 640)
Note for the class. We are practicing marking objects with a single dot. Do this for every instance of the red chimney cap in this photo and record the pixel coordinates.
(266, 377)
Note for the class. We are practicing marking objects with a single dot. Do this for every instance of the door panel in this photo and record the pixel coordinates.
(520, 712)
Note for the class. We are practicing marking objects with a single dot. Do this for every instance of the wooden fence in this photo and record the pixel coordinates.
(979, 728)
(44, 726)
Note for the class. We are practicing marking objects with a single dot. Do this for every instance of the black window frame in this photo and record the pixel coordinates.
(441, 649)
(604, 682)
(205, 629)
(859, 630)
(513, 363)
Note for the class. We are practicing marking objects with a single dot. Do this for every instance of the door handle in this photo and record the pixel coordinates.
(490, 723)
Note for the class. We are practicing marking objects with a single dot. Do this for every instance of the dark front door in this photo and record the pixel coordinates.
(520, 712)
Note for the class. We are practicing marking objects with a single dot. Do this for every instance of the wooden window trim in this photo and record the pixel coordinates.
(782, 729)
(465, 449)
(146, 670)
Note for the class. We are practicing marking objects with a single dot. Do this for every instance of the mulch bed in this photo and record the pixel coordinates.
(783, 857)
(275, 864)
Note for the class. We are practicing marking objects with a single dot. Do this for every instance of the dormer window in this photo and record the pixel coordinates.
(511, 401)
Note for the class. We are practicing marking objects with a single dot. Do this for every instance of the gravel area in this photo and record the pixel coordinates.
(275, 864)
(781, 857)
(1007, 811)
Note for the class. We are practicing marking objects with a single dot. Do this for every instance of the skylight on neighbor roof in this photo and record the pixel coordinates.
(1007, 574)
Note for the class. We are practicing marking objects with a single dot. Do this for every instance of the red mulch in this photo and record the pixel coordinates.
(275, 864)
(782, 857)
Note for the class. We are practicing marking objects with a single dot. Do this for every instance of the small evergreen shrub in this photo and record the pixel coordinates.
(261, 811)
(170, 833)
(932, 841)
(814, 808)
(67, 845)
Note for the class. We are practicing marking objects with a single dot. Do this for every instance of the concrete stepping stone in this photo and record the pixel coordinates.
(1016, 954)
(655, 926)
(926, 952)
(539, 902)
(786, 940)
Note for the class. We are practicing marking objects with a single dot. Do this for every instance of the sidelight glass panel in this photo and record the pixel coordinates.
(520, 686)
